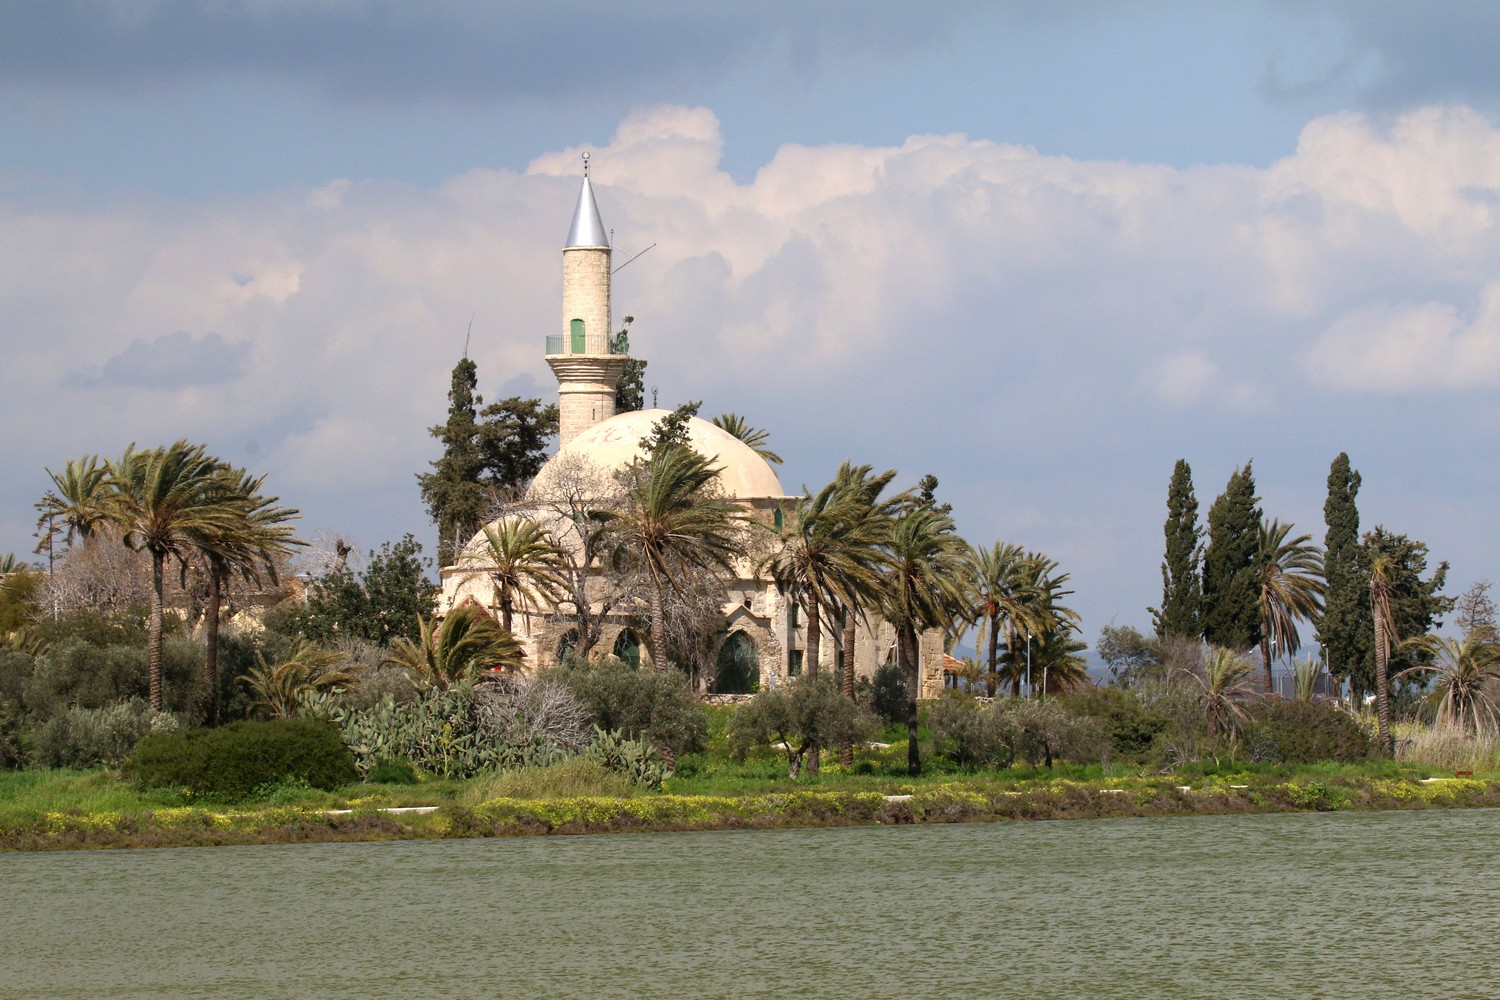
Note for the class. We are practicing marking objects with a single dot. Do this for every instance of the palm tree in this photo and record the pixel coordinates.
(923, 590)
(861, 481)
(829, 555)
(1382, 573)
(170, 502)
(673, 518)
(306, 670)
(81, 500)
(1036, 609)
(1464, 669)
(1289, 587)
(1056, 659)
(453, 652)
(754, 437)
(999, 599)
(1223, 684)
(248, 547)
(524, 564)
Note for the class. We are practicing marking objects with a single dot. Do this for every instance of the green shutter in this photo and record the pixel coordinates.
(578, 347)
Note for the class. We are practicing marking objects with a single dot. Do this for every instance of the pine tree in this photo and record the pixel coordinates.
(452, 491)
(1231, 613)
(1346, 630)
(1182, 583)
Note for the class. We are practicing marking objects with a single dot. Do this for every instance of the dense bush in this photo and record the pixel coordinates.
(653, 705)
(1131, 724)
(1302, 732)
(885, 693)
(13, 735)
(77, 673)
(231, 762)
(87, 737)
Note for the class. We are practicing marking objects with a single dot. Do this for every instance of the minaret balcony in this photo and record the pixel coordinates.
(561, 344)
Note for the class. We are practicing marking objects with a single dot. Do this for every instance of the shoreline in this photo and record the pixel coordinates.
(950, 802)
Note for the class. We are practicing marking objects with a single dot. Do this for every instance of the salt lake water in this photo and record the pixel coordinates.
(1400, 904)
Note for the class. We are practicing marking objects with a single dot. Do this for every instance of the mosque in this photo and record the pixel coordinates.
(763, 639)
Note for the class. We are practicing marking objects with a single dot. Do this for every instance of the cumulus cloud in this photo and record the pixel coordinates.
(1411, 347)
(1031, 328)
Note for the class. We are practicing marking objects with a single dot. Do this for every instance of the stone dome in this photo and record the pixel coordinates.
(614, 443)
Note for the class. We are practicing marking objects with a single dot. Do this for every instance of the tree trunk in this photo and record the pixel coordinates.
(211, 640)
(506, 612)
(1015, 666)
(658, 626)
(847, 678)
(992, 679)
(906, 647)
(810, 663)
(1382, 683)
(1265, 654)
(153, 635)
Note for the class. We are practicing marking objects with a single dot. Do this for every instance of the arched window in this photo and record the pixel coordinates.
(576, 328)
(628, 648)
(739, 666)
(567, 644)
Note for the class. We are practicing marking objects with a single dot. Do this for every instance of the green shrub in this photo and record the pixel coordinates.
(1130, 724)
(885, 693)
(654, 705)
(1041, 732)
(800, 716)
(13, 735)
(232, 761)
(392, 772)
(1303, 732)
(78, 673)
(81, 738)
(960, 730)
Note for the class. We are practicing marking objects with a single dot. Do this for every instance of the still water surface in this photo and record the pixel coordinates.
(1343, 905)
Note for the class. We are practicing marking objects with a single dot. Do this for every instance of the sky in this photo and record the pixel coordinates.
(1041, 250)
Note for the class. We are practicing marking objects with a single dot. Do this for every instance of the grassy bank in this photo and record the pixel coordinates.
(69, 810)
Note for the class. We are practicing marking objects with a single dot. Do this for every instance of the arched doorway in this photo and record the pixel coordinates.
(739, 666)
(628, 648)
(567, 644)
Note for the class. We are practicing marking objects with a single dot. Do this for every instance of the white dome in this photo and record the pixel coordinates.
(615, 443)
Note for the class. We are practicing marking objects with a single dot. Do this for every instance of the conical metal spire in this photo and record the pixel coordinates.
(587, 229)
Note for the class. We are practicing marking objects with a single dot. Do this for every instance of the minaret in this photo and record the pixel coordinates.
(583, 358)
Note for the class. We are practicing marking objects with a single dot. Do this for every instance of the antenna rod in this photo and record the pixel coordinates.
(622, 266)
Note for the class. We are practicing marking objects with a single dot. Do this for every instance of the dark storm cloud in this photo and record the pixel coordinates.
(175, 361)
(368, 49)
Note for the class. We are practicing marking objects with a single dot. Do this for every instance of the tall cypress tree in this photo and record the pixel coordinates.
(1231, 614)
(1346, 631)
(452, 491)
(1181, 582)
